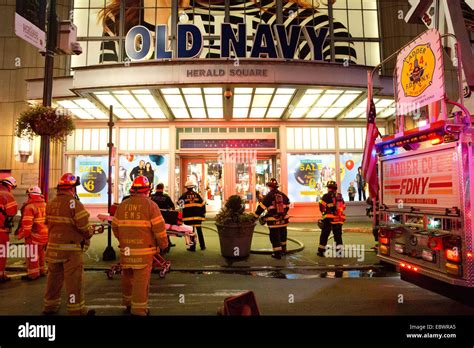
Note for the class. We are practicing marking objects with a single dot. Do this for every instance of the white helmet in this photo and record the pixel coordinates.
(34, 190)
(9, 181)
(189, 184)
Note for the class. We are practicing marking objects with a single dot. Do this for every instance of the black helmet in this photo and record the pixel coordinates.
(331, 184)
(273, 183)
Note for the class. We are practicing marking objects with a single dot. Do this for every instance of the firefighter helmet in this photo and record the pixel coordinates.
(140, 185)
(34, 191)
(68, 180)
(189, 184)
(331, 184)
(9, 181)
(273, 183)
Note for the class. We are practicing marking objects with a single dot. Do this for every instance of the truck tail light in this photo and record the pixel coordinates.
(435, 243)
(452, 248)
(384, 240)
(437, 140)
(453, 255)
(383, 249)
(409, 267)
(453, 269)
(428, 255)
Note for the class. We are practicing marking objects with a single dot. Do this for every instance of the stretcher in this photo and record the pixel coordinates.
(174, 227)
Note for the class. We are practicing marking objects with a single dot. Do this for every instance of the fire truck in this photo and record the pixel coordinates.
(424, 210)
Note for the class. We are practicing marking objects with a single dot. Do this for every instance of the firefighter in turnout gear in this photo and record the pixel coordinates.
(8, 209)
(164, 202)
(332, 207)
(69, 236)
(277, 204)
(140, 230)
(33, 228)
(194, 213)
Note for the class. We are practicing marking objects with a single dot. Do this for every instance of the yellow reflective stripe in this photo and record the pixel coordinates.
(60, 219)
(40, 220)
(255, 215)
(142, 305)
(162, 234)
(189, 205)
(76, 306)
(157, 220)
(11, 204)
(135, 223)
(69, 247)
(27, 218)
(81, 215)
(330, 205)
(323, 203)
(194, 218)
(277, 249)
(52, 302)
(262, 205)
(33, 270)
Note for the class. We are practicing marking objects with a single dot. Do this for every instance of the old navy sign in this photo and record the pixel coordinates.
(280, 42)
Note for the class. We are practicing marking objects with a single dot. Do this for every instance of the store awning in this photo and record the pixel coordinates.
(309, 93)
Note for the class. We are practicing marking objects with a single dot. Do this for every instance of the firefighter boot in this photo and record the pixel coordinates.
(321, 251)
(276, 254)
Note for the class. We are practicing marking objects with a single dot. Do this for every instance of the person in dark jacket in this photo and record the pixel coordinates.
(164, 202)
(277, 204)
(360, 183)
(149, 173)
(138, 170)
(194, 213)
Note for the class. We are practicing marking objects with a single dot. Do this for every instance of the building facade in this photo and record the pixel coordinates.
(224, 93)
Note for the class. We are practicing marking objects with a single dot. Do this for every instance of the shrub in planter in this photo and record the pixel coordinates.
(42, 120)
(235, 228)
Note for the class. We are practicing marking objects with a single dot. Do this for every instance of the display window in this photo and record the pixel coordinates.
(349, 162)
(308, 175)
(93, 172)
(154, 167)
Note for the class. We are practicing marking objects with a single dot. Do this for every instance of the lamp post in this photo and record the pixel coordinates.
(51, 35)
(109, 252)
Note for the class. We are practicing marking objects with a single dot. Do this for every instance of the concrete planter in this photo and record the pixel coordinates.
(235, 239)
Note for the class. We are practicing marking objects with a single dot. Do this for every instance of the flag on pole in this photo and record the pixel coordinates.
(369, 159)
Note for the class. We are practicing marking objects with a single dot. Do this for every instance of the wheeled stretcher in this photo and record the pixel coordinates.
(174, 227)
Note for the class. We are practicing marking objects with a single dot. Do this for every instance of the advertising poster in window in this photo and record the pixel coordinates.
(154, 167)
(93, 171)
(308, 175)
(349, 164)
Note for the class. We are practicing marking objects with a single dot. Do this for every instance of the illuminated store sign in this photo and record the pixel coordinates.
(190, 42)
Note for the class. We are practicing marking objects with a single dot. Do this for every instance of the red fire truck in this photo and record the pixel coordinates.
(425, 199)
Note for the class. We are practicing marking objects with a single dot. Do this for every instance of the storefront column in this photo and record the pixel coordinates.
(338, 160)
(283, 160)
(172, 181)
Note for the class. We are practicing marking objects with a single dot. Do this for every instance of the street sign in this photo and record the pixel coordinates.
(30, 16)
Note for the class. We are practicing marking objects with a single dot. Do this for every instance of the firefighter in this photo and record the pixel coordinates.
(34, 230)
(8, 209)
(332, 207)
(140, 230)
(164, 202)
(69, 237)
(277, 204)
(194, 213)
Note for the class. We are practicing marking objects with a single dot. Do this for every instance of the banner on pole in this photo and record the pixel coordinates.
(30, 18)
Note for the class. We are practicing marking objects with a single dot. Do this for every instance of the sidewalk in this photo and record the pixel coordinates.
(354, 233)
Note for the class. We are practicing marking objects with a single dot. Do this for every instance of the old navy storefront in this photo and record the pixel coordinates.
(261, 108)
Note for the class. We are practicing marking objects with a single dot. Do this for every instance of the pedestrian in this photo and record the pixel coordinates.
(332, 207)
(69, 235)
(33, 228)
(140, 230)
(277, 204)
(360, 184)
(8, 209)
(351, 191)
(138, 170)
(149, 173)
(164, 202)
(194, 213)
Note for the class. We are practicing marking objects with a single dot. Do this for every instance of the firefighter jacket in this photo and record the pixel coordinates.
(194, 208)
(332, 207)
(33, 221)
(8, 209)
(277, 205)
(163, 200)
(140, 230)
(68, 227)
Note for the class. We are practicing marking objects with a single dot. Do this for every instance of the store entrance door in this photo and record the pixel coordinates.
(207, 176)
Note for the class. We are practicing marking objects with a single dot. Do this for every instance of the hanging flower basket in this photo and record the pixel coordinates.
(42, 120)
